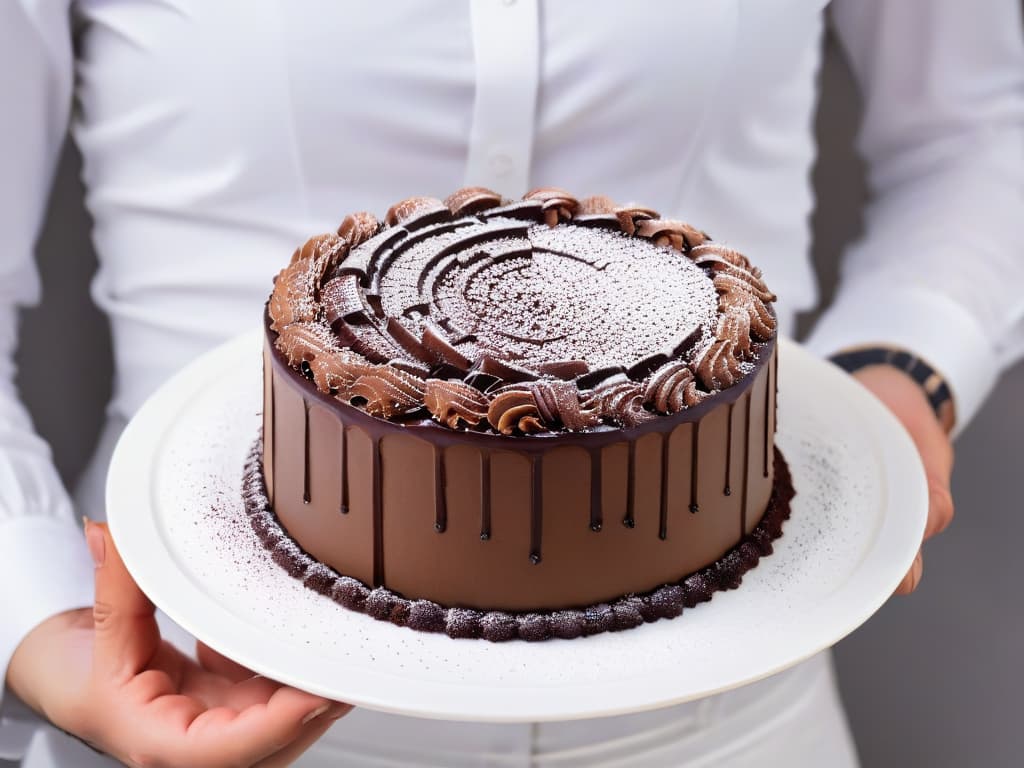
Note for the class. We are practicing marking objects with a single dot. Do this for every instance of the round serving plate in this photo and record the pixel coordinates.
(175, 510)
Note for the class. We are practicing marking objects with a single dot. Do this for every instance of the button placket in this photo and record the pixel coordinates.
(506, 55)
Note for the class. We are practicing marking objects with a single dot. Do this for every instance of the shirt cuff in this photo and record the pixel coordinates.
(932, 326)
(45, 569)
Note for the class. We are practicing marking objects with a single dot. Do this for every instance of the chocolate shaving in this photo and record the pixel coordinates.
(564, 369)
(436, 342)
(342, 300)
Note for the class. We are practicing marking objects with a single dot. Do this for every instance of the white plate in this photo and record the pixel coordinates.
(173, 500)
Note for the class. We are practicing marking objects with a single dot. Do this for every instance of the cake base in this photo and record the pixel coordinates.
(629, 611)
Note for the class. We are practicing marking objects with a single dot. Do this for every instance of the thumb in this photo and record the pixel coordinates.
(127, 636)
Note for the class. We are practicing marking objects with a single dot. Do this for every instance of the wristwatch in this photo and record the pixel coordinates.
(930, 380)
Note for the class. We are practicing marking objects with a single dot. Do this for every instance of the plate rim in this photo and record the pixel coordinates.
(138, 538)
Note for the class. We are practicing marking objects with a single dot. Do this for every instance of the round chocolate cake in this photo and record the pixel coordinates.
(533, 418)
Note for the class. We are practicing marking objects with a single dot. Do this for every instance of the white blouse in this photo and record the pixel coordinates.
(217, 136)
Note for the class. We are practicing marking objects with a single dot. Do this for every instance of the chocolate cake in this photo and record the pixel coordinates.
(532, 418)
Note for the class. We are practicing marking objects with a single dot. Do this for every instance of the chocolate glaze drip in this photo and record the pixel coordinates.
(344, 471)
(440, 492)
(485, 496)
(627, 612)
(746, 464)
(629, 520)
(376, 484)
(536, 508)
(767, 409)
(273, 441)
(775, 400)
(694, 457)
(666, 440)
(727, 490)
(596, 516)
(305, 453)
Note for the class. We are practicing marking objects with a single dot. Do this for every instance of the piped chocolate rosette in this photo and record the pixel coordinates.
(546, 417)
(520, 317)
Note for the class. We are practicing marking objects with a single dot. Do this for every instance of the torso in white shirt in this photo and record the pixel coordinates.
(217, 136)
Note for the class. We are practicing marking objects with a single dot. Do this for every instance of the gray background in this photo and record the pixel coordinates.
(932, 680)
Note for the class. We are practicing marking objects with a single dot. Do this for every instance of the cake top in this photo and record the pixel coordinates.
(537, 315)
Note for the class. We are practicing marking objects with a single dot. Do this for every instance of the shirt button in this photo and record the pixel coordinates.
(501, 164)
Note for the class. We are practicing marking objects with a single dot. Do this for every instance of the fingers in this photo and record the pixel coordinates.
(311, 732)
(214, 662)
(178, 730)
(940, 508)
(936, 453)
(214, 690)
(126, 631)
(913, 577)
(904, 397)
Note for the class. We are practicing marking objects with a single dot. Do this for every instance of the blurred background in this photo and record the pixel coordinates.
(933, 679)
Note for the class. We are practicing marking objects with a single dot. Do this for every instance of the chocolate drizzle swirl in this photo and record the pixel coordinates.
(544, 314)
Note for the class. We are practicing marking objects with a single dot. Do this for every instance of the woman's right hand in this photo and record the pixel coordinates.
(106, 676)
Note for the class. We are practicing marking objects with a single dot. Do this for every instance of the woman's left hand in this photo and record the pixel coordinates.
(904, 397)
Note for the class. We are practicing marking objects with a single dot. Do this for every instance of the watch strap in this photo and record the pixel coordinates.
(935, 388)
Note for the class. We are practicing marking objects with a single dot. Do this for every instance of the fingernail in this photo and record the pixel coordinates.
(315, 713)
(96, 542)
(340, 710)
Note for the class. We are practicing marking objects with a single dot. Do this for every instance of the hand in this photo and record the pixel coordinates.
(904, 397)
(104, 675)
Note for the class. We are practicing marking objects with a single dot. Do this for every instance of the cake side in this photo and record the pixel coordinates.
(666, 601)
(494, 522)
(518, 405)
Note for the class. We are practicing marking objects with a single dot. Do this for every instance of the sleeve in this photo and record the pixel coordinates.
(940, 270)
(44, 565)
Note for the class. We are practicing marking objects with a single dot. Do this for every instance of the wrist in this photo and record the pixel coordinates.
(928, 381)
(28, 673)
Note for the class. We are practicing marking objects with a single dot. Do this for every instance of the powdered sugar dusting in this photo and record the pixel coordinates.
(559, 293)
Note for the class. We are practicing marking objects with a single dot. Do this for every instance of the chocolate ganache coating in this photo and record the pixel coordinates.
(538, 315)
(525, 406)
